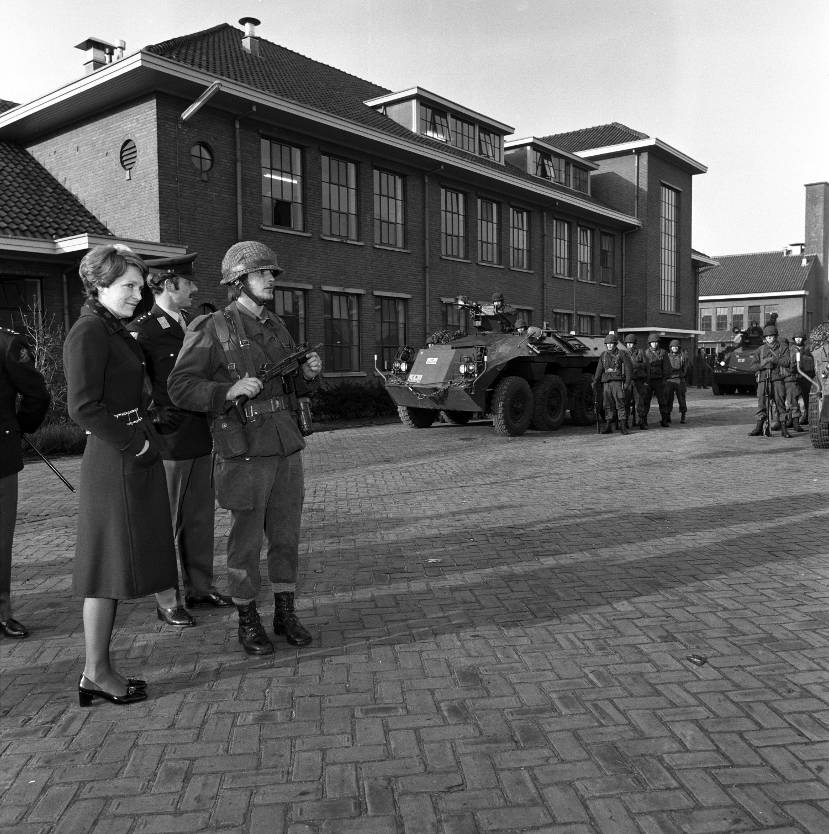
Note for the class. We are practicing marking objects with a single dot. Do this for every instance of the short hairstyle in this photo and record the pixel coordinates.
(156, 282)
(103, 265)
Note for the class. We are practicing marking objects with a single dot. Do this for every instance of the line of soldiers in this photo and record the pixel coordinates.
(627, 381)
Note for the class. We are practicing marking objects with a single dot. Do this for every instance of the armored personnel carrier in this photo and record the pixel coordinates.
(735, 367)
(524, 378)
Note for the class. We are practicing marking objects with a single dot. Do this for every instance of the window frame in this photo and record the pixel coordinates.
(721, 318)
(341, 357)
(453, 234)
(584, 253)
(388, 343)
(519, 238)
(292, 179)
(434, 123)
(295, 320)
(562, 248)
(669, 210)
(489, 231)
(335, 193)
(607, 265)
(383, 202)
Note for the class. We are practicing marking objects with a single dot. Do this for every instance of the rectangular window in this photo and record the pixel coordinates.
(580, 177)
(544, 165)
(341, 321)
(389, 223)
(585, 253)
(563, 322)
(434, 123)
(290, 307)
(768, 311)
(452, 223)
(585, 324)
(755, 313)
(606, 324)
(519, 238)
(705, 319)
(454, 318)
(392, 327)
(463, 134)
(561, 248)
(722, 318)
(489, 249)
(669, 251)
(339, 198)
(19, 295)
(738, 318)
(561, 169)
(281, 185)
(607, 259)
(489, 144)
(523, 316)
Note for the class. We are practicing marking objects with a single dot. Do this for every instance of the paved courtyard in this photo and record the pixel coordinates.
(554, 633)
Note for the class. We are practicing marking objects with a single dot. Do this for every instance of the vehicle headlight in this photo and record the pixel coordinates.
(468, 366)
(722, 363)
(400, 367)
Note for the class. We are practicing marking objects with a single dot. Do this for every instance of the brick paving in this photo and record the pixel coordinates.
(502, 628)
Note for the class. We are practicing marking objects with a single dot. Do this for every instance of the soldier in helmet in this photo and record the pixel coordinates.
(614, 373)
(636, 398)
(676, 383)
(659, 369)
(773, 361)
(258, 462)
(798, 388)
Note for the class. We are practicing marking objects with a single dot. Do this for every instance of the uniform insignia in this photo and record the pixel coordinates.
(134, 334)
(163, 323)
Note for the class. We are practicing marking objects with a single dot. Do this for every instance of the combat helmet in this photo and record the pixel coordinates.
(653, 337)
(770, 330)
(674, 343)
(245, 257)
(631, 339)
(611, 339)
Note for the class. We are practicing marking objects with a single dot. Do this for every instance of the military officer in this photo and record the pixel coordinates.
(258, 470)
(187, 444)
(636, 399)
(614, 373)
(659, 369)
(676, 383)
(24, 401)
(773, 361)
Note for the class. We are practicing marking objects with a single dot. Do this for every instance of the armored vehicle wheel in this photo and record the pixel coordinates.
(416, 418)
(549, 403)
(582, 405)
(512, 406)
(457, 418)
(818, 432)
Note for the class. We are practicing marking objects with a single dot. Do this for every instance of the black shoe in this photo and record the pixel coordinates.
(664, 423)
(285, 621)
(251, 633)
(213, 598)
(757, 430)
(177, 616)
(608, 428)
(623, 428)
(12, 628)
(643, 425)
(136, 683)
(86, 695)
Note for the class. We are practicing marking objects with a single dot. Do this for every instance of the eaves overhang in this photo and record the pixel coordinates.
(736, 295)
(143, 73)
(662, 331)
(82, 243)
(510, 144)
(644, 145)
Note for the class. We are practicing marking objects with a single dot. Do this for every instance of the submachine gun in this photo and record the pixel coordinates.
(287, 368)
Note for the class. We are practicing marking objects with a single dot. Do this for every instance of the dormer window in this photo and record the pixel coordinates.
(544, 166)
(434, 122)
(463, 134)
(489, 145)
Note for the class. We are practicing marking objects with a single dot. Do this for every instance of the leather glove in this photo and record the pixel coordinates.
(166, 417)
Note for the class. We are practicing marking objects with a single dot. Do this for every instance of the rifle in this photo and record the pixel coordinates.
(285, 367)
(597, 407)
(47, 462)
(768, 391)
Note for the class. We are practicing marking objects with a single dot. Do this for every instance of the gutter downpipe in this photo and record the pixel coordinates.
(64, 277)
(426, 259)
(543, 267)
(238, 144)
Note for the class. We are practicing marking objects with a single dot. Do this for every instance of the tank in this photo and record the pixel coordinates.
(735, 366)
(817, 374)
(529, 377)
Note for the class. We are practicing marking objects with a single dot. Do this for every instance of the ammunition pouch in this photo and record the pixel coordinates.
(229, 437)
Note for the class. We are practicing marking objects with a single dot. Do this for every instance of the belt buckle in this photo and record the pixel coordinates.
(133, 418)
(250, 411)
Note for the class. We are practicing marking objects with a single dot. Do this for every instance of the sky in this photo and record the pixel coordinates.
(741, 86)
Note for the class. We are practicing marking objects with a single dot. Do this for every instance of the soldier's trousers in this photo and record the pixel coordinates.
(8, 519)
(656, 387)
(637, 398)
(676, 387)
(777, 389)
(793, 395)
(614, 400)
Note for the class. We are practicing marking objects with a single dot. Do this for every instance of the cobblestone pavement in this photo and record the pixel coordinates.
(503, 633)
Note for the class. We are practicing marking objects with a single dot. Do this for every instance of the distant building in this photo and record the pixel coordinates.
(384, 206)
(746, 289)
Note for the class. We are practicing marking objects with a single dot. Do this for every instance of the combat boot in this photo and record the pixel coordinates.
(784, 432)
(682, 417)
(643, 424)
(285, 621)
(623, 427)
(608, 427)
(758, 429)
(664, 422)
(251, 633)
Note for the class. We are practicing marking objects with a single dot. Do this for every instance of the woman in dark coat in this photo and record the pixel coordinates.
(124, 545)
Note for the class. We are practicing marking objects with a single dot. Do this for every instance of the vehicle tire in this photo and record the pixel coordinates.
(457, 418)
(416, 418)
(818, 432)
(549, 403)
(512, 406)
(582, 404)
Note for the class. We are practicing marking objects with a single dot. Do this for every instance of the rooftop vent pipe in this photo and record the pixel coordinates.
(98, 53)
(250, 43)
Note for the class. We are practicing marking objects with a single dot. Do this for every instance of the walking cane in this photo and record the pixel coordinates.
(47, 462)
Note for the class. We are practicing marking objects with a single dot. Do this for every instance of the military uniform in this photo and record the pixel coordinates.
(186, 447)
(773, 362)
(24, 401)
(798, 388)
(676, 384)
(614, 372)
(636, 399)
(659, 370)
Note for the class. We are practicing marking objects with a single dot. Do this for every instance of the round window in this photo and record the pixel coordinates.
(202, 157)
(129, 154)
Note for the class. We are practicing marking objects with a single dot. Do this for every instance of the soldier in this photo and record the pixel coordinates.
(638, 393)
(24, 401)
(773, 361)
(614, 373)
(676, 382)
(801, 358)
(187, 445)
(258, 463)
(659, 369)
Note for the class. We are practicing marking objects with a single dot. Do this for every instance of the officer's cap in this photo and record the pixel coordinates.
(179, 266)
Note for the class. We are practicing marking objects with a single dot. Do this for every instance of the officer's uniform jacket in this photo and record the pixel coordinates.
(613, 366)
(658, 365)
(638, 363)
(202, 377)
(18, 376)
(160, 337)
(773, 361)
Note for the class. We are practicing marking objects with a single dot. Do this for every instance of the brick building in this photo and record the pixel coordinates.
(384, 206)
(741, 290)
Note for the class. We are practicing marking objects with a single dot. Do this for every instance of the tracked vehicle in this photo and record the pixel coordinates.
(524, 378)
(735, 368)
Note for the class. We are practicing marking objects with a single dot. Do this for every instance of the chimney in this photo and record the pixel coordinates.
(120, 48)
(98, 53)
(817, 230)
(250, 43)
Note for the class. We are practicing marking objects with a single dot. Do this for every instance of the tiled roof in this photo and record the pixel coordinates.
(6, 105)
(599, 136)
(757, 272)
(34, 204)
